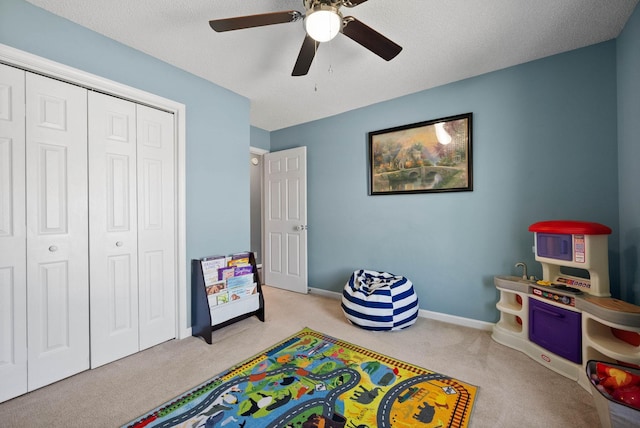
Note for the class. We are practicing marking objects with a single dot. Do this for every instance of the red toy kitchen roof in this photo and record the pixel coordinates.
(571, 227)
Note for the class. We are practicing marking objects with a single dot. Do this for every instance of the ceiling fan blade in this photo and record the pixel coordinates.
(352, 3)
(249, 21)
(370, 38)
(305, 57)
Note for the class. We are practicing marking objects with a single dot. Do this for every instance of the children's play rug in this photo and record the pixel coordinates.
(313, 380)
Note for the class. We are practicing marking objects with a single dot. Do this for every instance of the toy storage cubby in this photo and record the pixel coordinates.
(600, 342)
(512, 307)
(206, 318)
(512, 328)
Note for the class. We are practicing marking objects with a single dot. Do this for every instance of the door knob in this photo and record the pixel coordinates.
(302, 227)
(119, 244)
(53, 248)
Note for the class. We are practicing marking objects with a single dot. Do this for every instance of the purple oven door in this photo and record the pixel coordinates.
(556, 329)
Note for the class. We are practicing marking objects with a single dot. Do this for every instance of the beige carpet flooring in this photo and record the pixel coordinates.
(515, 391)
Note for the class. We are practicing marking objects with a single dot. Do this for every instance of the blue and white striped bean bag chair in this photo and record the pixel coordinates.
(379, 301)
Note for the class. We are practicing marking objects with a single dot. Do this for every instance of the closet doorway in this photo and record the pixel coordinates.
(13, 305)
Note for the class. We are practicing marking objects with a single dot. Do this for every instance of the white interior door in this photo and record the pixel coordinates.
(57, 230)
(285, 219)
(13, 252)
(156, 226)
(113, 238)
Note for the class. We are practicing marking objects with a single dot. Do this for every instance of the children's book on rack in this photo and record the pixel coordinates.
(234, 267)
(210, 268)
(240, 281)
(242, 292)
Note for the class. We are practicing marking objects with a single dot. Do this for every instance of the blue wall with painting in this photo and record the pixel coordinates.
(544, 147)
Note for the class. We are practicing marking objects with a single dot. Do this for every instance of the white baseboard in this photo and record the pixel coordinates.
(325, 293)
(184, 333)
(423, 313)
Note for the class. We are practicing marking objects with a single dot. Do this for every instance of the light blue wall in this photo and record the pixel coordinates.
(628, 45)
(260, 138)
(217, 121)
(544, 147)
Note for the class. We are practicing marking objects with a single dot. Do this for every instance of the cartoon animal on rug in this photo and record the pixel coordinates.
(213, 420)
(279, 402)
(426, 413)
(353, 425)
(365, 396)
(286, 380)
(303, 344)
(266, 402)
(321, 421)
(215, 412)
(379, 374)
(371, 367)
(257, 405)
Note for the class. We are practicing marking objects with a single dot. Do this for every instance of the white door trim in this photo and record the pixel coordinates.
(27, 61)
(257, 150)
(260, 152)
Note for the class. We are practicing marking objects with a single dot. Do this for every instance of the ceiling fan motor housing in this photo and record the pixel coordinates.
(311, 4)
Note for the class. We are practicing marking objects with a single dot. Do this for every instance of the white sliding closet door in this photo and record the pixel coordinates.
(57, 230)
(13, 252)
(132, 227)
(89, 226)
(156, 226)
(113, 238)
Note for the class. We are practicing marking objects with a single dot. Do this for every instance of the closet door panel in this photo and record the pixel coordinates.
(156, 226)
(113, 228)
(57, 230)
(13, 283)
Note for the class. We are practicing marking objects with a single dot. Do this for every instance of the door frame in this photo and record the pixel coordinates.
(260, 152)
(30, 62)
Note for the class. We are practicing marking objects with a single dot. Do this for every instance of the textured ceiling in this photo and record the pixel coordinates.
(444, 41)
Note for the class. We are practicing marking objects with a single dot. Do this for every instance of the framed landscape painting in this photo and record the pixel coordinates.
(425, 157)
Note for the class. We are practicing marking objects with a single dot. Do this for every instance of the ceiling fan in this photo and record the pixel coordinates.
(322, 21)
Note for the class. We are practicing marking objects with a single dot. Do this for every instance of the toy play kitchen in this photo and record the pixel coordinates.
(568, 317)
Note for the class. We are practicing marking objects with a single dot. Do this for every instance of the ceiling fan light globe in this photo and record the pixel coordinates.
(323, 23)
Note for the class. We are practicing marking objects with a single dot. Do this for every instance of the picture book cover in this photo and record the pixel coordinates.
(238, 262)
(243, 270)
(225, 272)
(240, 281)
(210, 266)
